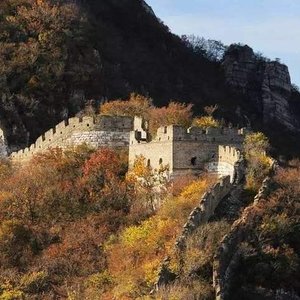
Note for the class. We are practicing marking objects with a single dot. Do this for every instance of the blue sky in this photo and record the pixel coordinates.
(268, 26)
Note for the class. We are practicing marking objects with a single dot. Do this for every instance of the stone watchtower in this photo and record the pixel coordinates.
(194, 150)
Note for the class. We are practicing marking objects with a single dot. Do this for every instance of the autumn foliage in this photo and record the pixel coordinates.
(56, 212)
(174, 113)
(76, 218)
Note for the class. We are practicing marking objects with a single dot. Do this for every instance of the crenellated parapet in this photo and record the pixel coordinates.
(180, 133)
(95, 131)
(229, 159)
(228, 255)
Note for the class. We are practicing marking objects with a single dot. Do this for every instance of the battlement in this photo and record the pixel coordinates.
(179, 133)
(229, 154)
(61, 134)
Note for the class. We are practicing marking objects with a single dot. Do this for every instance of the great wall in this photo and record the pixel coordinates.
(95, 131)
(227, 257)
(202, 213)
(192, 150)
(195, 150)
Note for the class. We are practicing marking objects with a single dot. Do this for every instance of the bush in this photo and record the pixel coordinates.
(258, 163)
(35, 282)
(206, 122)
(14, 244)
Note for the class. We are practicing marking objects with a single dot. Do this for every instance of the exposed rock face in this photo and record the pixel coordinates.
(266, 83)
(276, 90)
(3, 145)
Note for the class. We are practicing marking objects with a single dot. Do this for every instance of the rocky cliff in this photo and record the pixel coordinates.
(266, 84)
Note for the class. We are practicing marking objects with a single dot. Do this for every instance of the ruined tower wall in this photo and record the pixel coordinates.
(194, 150)
(156, 153)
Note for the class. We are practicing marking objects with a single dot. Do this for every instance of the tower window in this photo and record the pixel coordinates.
(160, 161)
(193, 161)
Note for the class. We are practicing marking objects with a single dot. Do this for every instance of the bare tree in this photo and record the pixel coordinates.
(209, 110)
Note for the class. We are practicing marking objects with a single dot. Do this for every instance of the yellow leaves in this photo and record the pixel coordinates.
(206, 122)
(149, 237)
(179, 207)
(136, 257)
(136, 234)
(194, 190)
(137, 105)
(5, 195)
(256, 143)
(255, 147)
(12, 294)
(151, 271)
(101, 281)
(140, 169)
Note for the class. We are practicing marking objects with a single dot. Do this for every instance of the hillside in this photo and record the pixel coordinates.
(80, 223)
(104, 50)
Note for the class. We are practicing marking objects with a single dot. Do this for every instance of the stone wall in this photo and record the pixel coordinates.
(183, 150)
(95, 131)
(211, 199)
(207, 205)
(202, 213)
(157, 152)
(227, 256)
(225, 165)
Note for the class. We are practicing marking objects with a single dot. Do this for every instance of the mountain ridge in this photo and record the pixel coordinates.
(108, 50)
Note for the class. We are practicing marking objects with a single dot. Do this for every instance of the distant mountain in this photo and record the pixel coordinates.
(107, 49)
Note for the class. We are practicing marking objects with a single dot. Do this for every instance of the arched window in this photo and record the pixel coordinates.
(160, 161)
(148, 163)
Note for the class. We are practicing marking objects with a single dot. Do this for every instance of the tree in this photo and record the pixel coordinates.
(101, 182)
(136, 105)
(174, 114)
(211, 49)
(14, 244)
(211, 109)
(258, 163)
(148, 184)
(206, 122)
(256, 143)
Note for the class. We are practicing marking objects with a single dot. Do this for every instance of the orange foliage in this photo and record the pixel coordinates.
(144, 246)
(173, 114)
(136, 105)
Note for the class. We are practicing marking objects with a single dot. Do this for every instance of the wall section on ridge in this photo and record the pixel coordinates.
(95, 131)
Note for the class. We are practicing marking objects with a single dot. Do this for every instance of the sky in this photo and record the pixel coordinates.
(271, 27)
